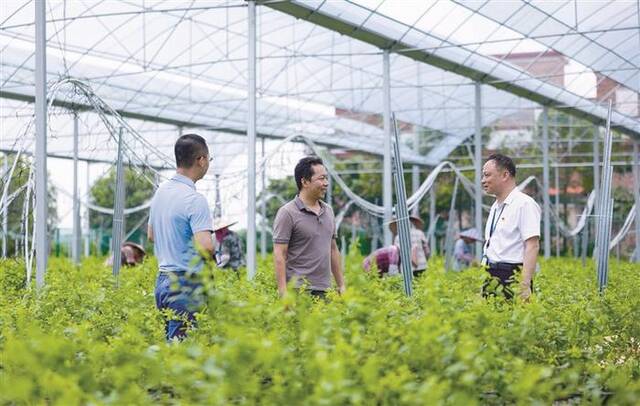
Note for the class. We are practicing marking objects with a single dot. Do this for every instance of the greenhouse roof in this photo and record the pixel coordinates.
(320, 65)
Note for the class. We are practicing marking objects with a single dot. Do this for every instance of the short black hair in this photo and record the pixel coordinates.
(188, 148)
(503, 162)
(304, 169)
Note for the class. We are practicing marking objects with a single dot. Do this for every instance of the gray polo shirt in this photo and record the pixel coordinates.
(309, 236)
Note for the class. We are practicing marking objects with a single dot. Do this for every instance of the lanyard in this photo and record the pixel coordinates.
(494, 223)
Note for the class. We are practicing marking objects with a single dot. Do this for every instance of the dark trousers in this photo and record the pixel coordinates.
(181, 293)
(316, 294)
(501, 277)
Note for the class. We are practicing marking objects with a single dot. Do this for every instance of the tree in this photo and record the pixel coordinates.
(138, 190)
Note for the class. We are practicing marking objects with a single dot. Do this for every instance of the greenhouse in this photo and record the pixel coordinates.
(398, 202)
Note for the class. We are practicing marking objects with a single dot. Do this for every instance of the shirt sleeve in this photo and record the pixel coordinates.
(529, 220)
(282, 227)
(199, 215)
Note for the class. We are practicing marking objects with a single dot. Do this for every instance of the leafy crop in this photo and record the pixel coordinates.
(83, 340)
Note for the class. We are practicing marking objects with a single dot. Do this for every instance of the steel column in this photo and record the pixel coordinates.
(402, 214)
(42, 246)
(432, 218)
(596, 180)
(415, 169)
(117, 230)
(263, 207)
(75, 240)
(636, 193)
(5, 212)
(556, 181)
(477, 143)
(87, 219)
(545, 182)
(387, 187)
(251, 141)
(606, 209)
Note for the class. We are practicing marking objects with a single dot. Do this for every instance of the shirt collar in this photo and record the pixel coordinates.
(301, 206)
(511, 195)
(183, 179)
(508, 199)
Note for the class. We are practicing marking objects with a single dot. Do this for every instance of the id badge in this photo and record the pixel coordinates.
(484, 261)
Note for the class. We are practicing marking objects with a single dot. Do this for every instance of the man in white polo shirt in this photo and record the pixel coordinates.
(512, 232)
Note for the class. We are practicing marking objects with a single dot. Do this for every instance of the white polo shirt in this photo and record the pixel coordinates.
(514, 221)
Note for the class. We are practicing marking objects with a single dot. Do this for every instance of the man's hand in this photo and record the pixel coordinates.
(280, 263)
(525, 292)
(531, 247)
(335, 266)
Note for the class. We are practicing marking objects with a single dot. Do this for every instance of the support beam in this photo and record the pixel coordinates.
(415, 169)
(217, 208)
(386, 164)
(87, 219)
(5, 213)
(606, 209)
(636, 194)
(263, 208)
(251, 140)
(556, 181)
(432, 218)
(76, 236)
(596, 179)
(42, 246)
(545, 182)
(118, 230)
(477, 142)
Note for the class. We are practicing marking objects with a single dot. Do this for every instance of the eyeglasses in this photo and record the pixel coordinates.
(210, 159)
(322, 178)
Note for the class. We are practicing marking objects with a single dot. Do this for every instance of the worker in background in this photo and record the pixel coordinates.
(387, 260)
(420, 250)
(463, 249)
(229, 253)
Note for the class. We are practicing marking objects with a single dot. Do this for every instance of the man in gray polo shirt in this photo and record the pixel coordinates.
(180, 223)
(304, 234)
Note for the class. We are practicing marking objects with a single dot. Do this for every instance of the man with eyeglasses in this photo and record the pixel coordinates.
(304, 234)
(180, 227)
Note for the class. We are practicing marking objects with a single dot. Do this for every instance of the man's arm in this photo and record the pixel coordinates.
(149, 232)
(335, 266)
(204, 243)
(531, 247)
(280, 262)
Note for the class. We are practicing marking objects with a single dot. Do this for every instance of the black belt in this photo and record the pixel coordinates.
(503, 266)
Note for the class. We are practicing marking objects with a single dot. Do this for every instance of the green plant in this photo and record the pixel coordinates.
(84, 340)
